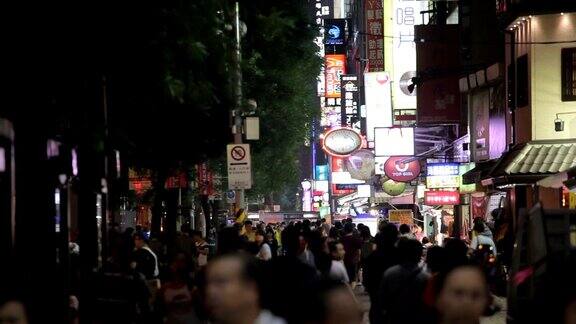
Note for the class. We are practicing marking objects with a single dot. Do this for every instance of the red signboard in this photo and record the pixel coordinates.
(335, 68)
(403, 172)
(374, 35)
(338, 165)
(432, 198)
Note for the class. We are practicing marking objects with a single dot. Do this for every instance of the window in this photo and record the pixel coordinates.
(569, 74)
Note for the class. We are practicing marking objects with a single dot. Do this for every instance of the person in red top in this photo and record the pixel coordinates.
(352, 246)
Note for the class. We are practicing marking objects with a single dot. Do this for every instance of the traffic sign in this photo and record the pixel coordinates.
(231, 196)
(239, 166)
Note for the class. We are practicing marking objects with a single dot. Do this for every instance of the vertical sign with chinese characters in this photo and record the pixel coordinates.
(335, 68)
(350, 112)
(320, 9)
(405, 16)
(375, 35)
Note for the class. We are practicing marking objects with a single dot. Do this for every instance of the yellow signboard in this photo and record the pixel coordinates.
(442, 181)
(402, 216)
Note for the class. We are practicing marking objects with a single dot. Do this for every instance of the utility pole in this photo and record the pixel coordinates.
(237, 112)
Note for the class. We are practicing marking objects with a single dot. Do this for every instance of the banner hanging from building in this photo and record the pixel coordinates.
(375, 34)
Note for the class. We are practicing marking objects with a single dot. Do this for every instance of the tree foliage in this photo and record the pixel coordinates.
(280, 72)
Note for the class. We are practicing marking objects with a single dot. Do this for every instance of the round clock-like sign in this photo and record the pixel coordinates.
(341, 142)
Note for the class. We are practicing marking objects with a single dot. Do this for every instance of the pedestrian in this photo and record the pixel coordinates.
(13, 311)
(264, 251)
(400, 296)
(184, 242)
(176, 294)
(249, 232)
(325, 227)
(233, 284)
(482, 236)
(352, 245)
(337, 268)
(378, 262)
(462, 295)
(201, 248)
(335, 304)
(406, 231)
(368, 245)
(144, 260)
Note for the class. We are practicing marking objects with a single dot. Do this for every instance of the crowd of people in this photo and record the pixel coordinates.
(297, 272)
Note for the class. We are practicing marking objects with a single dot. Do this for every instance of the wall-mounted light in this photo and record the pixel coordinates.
(559, 123)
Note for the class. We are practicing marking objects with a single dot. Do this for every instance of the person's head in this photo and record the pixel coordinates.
(260, 236)
(365, 232)
(404, 229)
(338, 225)
(479, 227)
(410, 250)
(425, 240)
(232, 287)
(336, 250)
(323, 220)
(140, 240)
(336, 304)
(387, 237)
(456, 252)
(185, 228)
(248, 225)
(196, 235)
(13, 311)
(129, 231)
(435, 258)
(333, 233)
(462, 295)
(348, 228)
(229, 240)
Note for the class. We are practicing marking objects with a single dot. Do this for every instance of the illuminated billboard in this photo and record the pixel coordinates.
(378, 101)
(394, 141)
(335, 68)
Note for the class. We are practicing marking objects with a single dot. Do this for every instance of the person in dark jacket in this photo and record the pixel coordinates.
(384, 257)
(400, 296)
(144, 261)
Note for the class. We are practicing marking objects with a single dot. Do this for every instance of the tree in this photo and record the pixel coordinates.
(280, 71)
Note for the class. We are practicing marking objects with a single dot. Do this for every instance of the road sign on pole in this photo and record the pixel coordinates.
(239, 166)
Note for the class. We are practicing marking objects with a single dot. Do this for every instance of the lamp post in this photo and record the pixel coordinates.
(237, 112)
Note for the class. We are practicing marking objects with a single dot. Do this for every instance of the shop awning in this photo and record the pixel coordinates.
(479, 172)
(528, 163)
(566, 178)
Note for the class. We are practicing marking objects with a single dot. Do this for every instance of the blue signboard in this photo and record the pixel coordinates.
(321, 172)
(334, 31)
(443, 169)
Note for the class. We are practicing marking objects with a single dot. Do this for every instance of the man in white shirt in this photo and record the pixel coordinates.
(232, 292)
(337, 268)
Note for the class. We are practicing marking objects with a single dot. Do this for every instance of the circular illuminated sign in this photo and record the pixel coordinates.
(341, 142)
(403, 172)
(360, 165)
(393, 188)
